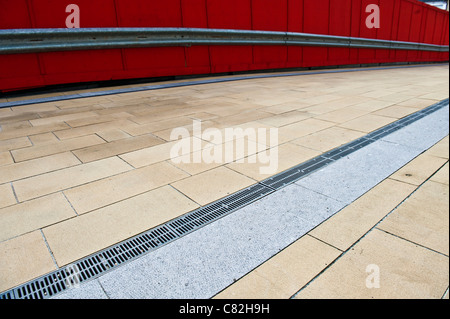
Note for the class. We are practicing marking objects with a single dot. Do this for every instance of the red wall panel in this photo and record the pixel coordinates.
(294, 24)
(14, 15)
(269, 15)
(230, 14)
(385, 30)
(315, 20)
(340, 24)
(405, 20)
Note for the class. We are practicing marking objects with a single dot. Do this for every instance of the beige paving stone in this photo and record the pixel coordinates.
(52, 182)
(440, 149)
(269, 100)
(324, 108)
(202, 116)
(155, 115)
(373, 105)
(281, 276)
(438, 95)
(15, 143)
(293, 131)
(97, 119)
(106, 191)
(328, 138)
(5, 158)
(286, 107)
(285, 118)
(72, 113)
(406, 271)
(419, 169)
(417, 102)
(113, 135)
(18, 117)
(367, 123)
(100, 151)
(88, 233)
(22, 259)
(29, 216)
(249, 131)
(193, 168)
(15, 125)
(273, 161)
(44, 138)
(166, 134)
(54, 148)
(213, 155)
(149, 155)
(396, 111)
(396, 97)
(94, 128)
(7, 198)
(26, 131)
(5, 112)
(441, 176)
(322, 98)
(423, 218)
(347, 226)
(212, 185)
(342, 115)
(61, 118)
(159, 153)
(37, 166)
(377, 93)
(244, 117)
(158, 126)
(76, 103)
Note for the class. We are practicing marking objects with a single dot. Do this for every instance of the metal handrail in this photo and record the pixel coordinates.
(14, 41)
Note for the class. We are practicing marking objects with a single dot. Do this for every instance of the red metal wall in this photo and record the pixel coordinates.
(403, 20)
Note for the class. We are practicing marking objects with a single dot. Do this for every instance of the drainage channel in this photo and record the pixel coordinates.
(103, 261)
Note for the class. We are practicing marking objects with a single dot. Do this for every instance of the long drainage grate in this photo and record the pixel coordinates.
(93, 266)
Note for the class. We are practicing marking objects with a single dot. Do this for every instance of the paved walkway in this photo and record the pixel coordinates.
(80, 175)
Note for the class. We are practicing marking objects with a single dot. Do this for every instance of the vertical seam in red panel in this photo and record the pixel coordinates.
(435, 21)
(209, 47)
(251, 28)
(376, 31)
(181, 13)
(359, 30)
(410, 22)
(30, 15)
(303, 17)
(182, 25)
(287, 30)
(41, 63)
(420, 53)
(328, 29)
(122, 53)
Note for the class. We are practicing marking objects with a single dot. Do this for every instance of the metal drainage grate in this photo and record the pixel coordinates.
(293, 174)
(207, 214)
(105, 260)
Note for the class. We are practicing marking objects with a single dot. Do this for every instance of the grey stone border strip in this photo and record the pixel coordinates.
(104, 261)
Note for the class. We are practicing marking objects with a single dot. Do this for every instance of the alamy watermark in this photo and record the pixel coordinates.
(373, 279)
(73, 19)
(233, 144)
(373, 19)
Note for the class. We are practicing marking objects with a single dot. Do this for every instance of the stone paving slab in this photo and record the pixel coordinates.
(207, 262)
(305, 108)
